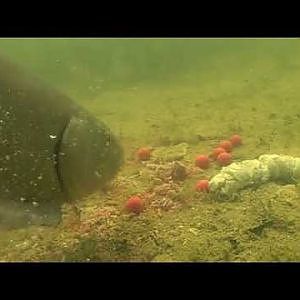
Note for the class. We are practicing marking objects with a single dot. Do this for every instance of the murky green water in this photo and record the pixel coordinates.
(161, 93)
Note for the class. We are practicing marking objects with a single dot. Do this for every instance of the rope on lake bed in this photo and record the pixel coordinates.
(268, 167)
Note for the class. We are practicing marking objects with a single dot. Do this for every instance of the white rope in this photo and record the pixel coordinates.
(268, 167)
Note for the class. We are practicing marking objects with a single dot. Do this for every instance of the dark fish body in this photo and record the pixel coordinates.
(51, 150)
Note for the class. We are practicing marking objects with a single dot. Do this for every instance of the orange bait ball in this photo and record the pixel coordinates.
(202, 186)
(215, 153)
(202, 161)
(224, 158)
(227, 145)
(236, 140)
(135, 205)
(144, 153)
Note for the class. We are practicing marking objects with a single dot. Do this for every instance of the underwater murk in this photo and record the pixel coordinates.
(149, 150)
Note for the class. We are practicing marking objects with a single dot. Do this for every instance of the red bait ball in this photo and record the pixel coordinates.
(226, 145)
(202, 161)
(224, 159)
(236, 140)
(202, 186)
(216, 152)
(135, 205)
(144, 154)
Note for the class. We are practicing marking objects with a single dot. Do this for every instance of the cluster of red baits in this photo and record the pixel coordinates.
(221, 154)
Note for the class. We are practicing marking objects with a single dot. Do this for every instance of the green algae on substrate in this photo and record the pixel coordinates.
(205, 230)
(243, 230)
(262, 225)
(259, 225)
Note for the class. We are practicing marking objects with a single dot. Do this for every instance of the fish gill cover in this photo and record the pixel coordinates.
(37, 129)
